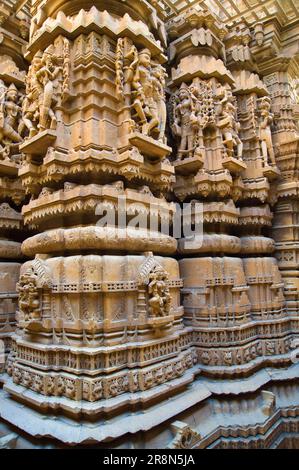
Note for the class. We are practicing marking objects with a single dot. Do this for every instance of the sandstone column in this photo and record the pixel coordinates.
(12, 76)
(99, 322)
(224, 159)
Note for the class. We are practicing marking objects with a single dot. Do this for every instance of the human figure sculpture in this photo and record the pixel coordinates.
(294, 90)
(159, 296)
(144, 102)
(126, 62)
(222, 96)
(47, 75)
(159, 76)
(9, 116)
(12, 111)
(265, 135)
(32, 101)
(3, 149)
(185, 123)
(230, 129)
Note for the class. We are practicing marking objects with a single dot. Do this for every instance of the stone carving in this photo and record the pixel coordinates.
(141, 81)
(47, 83)
(230, 126)
(29, 287)
(186, 437)
(9, 68)
(203, 104)
(32, 101)
(294, 86)
(185, 123)
(47, 76)
(12, 194)
(159, 295)
(265, 136)
(29, 301)
(152, 275)
(9, 117)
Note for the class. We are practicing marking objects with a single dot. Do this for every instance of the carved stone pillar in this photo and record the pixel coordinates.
(277, 59)
(224, 159)
(258, 198)
(12, 87)
(282, 88)
(99, 322)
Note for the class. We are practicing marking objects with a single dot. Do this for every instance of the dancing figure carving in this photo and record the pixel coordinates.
(141, 81)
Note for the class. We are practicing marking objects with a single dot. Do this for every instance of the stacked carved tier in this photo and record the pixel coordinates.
(224, 161)
(99, 313)
(11, 192)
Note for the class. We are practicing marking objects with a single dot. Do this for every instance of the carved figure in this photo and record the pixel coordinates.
(29, 303)
(185, 123)
(159, 75)
(9, 115)
(265, 136)
(2, 99)
(47, 76)
(204, 103)
(126, 62)
(230, 129)
(32, 101)
(47, 82)
(142, 82)
(144, 103)
(159, 296)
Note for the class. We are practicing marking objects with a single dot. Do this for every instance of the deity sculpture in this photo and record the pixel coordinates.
(223, 95)
(227, 119)
(32, 101)
(265, 136)
(159, 296)
(185, 123)
(159, 75)
(141, 82)
(9, 116)
(144, 102)
(204, 104)
(47, 75)
(29, 303)
(47, 82)
(230, 129)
